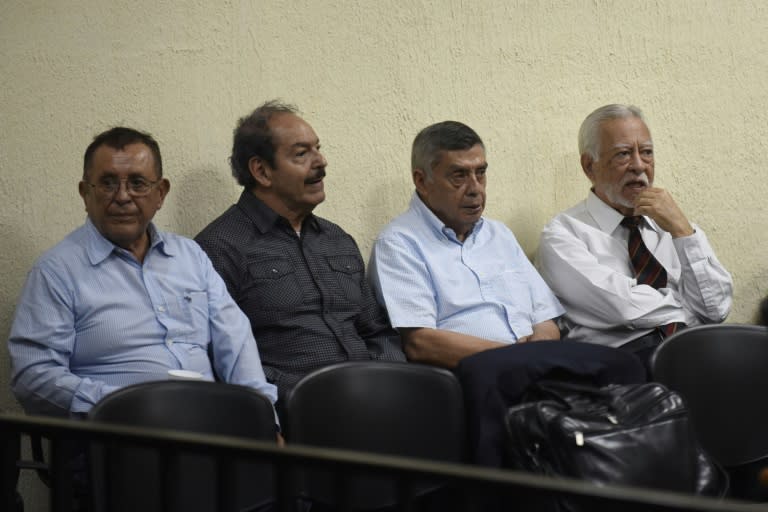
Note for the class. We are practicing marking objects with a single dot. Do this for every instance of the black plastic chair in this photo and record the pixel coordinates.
(720, 371)
(388, 408)
(132, 478)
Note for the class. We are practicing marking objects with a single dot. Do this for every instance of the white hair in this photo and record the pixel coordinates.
(589, 133)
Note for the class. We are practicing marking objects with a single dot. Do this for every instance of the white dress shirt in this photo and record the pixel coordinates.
(583, 257)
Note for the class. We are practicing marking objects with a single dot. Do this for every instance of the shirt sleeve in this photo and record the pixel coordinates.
(41, 343)
(594, 294)
(235, 353)
(706, 287)
(545, 304)
(402, 284)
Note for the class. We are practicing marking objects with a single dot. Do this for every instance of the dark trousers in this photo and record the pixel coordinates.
(643, 348)
(497, 379)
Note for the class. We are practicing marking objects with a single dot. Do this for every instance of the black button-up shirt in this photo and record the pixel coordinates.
(306, 296)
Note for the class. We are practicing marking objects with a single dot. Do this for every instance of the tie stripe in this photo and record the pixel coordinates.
(647, 268)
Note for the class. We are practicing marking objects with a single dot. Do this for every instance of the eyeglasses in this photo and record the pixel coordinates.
(136, 186)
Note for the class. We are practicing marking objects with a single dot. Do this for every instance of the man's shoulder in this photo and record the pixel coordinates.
(68, 252)
(223, 228)
(569, 218)
(407, 225)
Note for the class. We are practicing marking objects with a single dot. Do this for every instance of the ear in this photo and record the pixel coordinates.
(587, 165)
(420, 181)
(83, 188)
(163, 187)
(260, 171)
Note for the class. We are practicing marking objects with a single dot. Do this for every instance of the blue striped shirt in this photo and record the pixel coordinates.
(92, 319)
(484, 287)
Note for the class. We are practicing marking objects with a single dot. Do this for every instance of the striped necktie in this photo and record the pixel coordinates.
(647, 268)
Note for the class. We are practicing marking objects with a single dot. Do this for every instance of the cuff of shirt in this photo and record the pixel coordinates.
(692, 248)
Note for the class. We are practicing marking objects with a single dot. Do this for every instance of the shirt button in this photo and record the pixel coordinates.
(169, 342)
(161, 309)
(274, 271)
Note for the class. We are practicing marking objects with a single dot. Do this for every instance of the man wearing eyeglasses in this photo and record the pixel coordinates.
(119, 302)
(626, 263)
(463, 294)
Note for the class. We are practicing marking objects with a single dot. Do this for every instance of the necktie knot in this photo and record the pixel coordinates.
(631, 222)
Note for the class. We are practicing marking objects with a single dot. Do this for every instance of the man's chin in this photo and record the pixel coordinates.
(124, 235)
(316, 198)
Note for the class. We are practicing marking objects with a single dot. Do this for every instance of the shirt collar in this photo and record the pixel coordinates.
(99, 248)
(435, 224)
(264, 217)
(606, 217)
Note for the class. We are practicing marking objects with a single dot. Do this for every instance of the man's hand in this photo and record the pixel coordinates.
(658, 204)
(546, 330)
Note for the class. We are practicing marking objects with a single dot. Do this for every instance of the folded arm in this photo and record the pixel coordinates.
(595, 294)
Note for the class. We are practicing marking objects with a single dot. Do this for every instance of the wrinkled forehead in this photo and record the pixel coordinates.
(134, 158)
(624, 131)
(289, 130)
(468, 158)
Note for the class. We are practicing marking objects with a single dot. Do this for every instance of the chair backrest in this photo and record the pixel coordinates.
(137, 477)
(720, 370)
(389, 408)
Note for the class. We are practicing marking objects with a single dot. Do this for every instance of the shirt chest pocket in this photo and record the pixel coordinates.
(274, 284)
(348, 270)
(193, 307)
(516, 291)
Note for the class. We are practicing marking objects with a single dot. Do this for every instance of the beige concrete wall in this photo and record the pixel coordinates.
(368, 75)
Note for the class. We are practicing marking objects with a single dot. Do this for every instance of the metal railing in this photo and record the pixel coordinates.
(289, 458)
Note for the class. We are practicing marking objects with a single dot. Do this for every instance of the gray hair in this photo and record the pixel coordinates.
(439, 137)
(589, 133)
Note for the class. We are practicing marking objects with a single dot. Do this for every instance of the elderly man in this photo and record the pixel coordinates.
(119, 302)
(626, 263)
(299, 278)
(463, 294)
(455, 283)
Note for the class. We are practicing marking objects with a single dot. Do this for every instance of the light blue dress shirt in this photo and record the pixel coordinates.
(484, 287)
(92, 319)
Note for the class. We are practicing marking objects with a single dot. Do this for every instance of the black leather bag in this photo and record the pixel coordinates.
(637, 435)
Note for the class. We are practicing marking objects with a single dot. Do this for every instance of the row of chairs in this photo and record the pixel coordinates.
(411, 410)
(388, 408)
